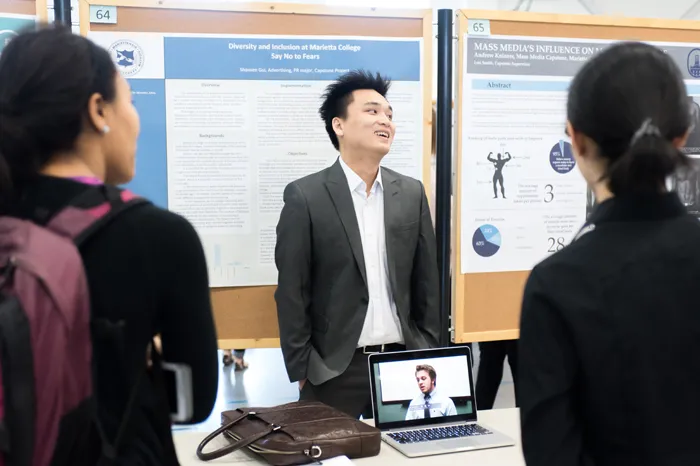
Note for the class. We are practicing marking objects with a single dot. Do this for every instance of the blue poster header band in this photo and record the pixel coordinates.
(545, 86)
(516, 85)
(288, 59)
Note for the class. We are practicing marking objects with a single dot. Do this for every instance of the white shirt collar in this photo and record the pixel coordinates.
(356, 183)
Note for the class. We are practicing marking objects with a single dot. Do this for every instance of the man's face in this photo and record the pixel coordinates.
(424, 382)
(368, 126)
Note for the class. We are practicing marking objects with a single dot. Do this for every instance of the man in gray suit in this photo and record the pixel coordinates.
(356, 255)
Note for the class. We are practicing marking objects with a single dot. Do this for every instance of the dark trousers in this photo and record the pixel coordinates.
(350, 391)
(492, 357)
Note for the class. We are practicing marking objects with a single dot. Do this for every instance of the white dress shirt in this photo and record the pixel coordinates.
(437, 404)
(382, 323)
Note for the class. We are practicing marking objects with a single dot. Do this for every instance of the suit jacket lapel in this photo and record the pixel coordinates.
(392, 217)
(337, 185)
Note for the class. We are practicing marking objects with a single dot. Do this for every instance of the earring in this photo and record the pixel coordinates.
(105, 129)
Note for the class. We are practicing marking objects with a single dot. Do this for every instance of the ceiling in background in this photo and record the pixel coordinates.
(667, 9)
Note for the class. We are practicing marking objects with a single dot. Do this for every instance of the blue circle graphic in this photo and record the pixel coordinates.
(561, 157)
(486, 240)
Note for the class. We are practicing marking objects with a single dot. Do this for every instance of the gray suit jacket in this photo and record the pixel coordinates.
(322, 293)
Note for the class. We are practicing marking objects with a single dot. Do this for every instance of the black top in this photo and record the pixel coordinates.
(610, 342)
(147, 255)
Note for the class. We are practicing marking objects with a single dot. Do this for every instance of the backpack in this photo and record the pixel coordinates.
(46, 331)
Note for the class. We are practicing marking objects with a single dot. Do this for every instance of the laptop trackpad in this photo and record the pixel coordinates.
(464, 442)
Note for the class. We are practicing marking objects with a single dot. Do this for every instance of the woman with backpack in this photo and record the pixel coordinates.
(68, 134)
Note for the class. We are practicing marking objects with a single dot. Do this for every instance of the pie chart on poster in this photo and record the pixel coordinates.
(561, 157)
(486, 240)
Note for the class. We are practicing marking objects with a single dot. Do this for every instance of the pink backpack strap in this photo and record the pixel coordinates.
(92, 210)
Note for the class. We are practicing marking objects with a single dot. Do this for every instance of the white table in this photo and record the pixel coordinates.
(503, 420)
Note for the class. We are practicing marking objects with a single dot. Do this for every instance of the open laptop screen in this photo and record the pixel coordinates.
(414, 388)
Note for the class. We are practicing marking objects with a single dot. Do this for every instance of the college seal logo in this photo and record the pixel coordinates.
(694, 63)
(128, 56)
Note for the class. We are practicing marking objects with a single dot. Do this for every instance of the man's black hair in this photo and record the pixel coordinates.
(339, 95)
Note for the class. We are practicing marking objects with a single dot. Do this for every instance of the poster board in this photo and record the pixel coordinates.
(537, 53)
(246, 316)
(16, 15)
(25, 7)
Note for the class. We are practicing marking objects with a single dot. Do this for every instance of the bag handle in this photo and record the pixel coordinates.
(244, 442)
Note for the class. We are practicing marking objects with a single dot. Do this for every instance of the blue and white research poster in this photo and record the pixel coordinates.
(11, 24)
(228, 121)
(522, 195)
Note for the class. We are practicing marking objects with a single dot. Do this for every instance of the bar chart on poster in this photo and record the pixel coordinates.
(233, 119)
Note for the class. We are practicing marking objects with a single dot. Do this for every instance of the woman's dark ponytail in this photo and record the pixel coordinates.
(6, 185)
(631, 100)
(47, 76)
(20, 158)
(646, 164)
(10, 135)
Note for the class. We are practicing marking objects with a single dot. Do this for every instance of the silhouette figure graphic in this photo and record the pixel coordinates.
(692, 145)
(498, 163)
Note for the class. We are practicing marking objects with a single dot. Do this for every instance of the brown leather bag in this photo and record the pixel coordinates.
(295, 433)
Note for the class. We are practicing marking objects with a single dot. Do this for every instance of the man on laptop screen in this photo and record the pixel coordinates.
(430, 402)
(440, 418)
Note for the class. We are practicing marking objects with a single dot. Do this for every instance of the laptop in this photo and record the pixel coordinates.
(423, 402)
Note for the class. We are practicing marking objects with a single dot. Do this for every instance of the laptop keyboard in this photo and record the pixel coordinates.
(439, 433)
